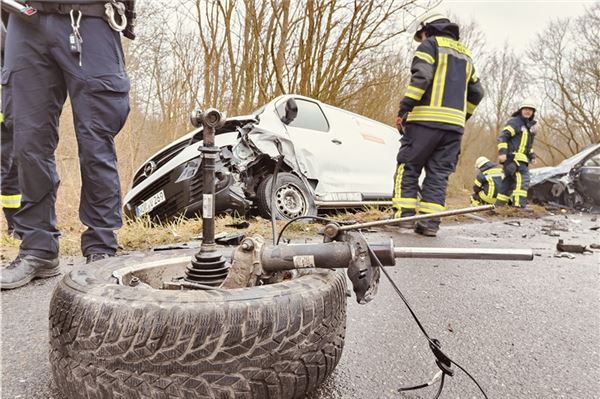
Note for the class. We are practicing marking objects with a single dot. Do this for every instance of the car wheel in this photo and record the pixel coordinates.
(110, 340)
(292, 197)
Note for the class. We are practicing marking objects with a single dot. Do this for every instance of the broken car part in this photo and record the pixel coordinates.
(208, 267)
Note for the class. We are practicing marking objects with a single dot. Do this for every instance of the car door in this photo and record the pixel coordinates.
(320, 152)
(370, 150)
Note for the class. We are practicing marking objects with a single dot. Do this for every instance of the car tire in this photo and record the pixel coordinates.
(292, 197)
(116, 341)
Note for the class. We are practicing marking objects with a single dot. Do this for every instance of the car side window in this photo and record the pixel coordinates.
(310, 116)
(593, 161)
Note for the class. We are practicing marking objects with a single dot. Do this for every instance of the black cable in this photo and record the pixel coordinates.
(319, 218)
(442, 360)
(441, 388)
(427, 384)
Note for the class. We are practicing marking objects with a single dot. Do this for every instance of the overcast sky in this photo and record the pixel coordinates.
(515, 21)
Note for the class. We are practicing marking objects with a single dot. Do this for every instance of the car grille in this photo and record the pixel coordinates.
(160, 160)
(196, 188)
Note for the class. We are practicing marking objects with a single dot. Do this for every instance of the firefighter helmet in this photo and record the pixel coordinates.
(480, 162)
(529, 102)
(423, 21)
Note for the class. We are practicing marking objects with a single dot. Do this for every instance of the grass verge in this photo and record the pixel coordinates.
(142, 234)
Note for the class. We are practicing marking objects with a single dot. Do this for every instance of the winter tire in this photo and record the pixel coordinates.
(110, 340)
(292, 197)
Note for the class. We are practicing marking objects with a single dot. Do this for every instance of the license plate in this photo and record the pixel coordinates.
(150, 203)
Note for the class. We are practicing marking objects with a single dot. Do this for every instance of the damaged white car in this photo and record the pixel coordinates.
(331, 158)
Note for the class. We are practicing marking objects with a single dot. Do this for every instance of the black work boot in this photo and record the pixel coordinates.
(25, 268)
(96, 257)
(426, 228)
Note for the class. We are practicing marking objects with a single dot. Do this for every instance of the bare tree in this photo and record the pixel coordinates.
(566, 58)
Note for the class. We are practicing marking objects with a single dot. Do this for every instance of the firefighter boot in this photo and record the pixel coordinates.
(427, 228)
(25, 268)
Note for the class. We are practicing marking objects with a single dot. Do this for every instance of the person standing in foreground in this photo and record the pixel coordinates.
(10, 197)
(443, 93)
(72, 47)
(515, 152)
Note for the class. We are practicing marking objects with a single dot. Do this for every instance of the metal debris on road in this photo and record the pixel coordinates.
(514, 223)
(564, 255)
(572, 248)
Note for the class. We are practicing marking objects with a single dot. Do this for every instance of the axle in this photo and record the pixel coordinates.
(254, 259)
(336, 255)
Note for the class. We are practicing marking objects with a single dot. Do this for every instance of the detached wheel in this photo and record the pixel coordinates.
(292, 197)
(109, 340)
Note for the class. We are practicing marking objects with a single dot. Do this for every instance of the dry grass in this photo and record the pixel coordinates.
(142, 234)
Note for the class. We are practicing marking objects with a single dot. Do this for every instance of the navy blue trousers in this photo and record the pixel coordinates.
(514, 186)
(424, 148)
(41, 71)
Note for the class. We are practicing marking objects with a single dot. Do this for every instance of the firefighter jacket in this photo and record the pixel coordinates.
(516, 139)
(486, 184)
(444, 89)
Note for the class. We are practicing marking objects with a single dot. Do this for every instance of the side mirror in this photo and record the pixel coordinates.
(291, 111)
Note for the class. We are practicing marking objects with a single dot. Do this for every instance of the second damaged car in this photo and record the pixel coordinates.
(330, 158)
(574, 183)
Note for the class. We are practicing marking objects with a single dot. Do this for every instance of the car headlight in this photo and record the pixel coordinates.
(189, 170)
(242, 152)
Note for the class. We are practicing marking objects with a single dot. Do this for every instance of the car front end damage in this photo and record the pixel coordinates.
(574, 183)
(170, 183)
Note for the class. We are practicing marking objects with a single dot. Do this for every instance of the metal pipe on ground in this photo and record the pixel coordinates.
(332, 229)
(463, 253)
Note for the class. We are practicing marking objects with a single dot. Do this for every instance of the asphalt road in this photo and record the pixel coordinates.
(523, 329)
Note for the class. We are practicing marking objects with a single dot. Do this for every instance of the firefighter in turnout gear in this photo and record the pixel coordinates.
(515, 152)
(60, 48)
(443, 93)
(487, 182)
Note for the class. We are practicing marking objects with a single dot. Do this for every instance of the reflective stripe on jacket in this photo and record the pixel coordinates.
(487, 183)
(516, 140)
(444, 89)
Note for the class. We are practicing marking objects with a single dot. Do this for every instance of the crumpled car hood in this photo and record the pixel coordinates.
(539, 175)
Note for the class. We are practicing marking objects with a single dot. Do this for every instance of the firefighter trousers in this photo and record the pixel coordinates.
(424, 148)
(41, 70)
(515, 184)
